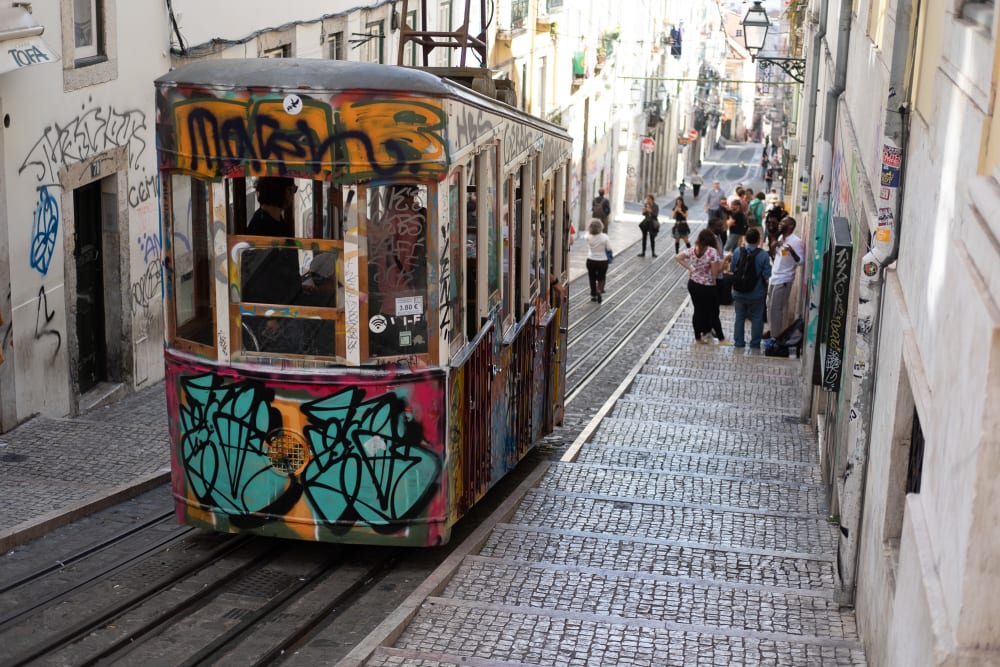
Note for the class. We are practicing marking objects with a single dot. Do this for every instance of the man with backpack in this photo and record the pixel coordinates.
(601, 208)
(751, 272)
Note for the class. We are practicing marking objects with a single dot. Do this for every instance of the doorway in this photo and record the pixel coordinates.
(88, 258)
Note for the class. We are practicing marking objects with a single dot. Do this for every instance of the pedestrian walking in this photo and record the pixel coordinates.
(599, 255)
(682, 187)
(737, 225)
(681, 230)
(757, 210)
(650, 225)
(600, 208)
(751, 272)
(789, 252)
(704, 264)
(713, 201)
(696, 181)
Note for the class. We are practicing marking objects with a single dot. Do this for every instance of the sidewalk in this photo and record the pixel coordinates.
(686, 531)
(54, 471)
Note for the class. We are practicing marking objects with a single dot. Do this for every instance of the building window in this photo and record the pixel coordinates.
(518, 14)
(376, 33)
(89, 42)
(336, 44)
(553, 5)
(410, 56)
(87, 29)
(915, 467)
(282, 51)
(444, 25)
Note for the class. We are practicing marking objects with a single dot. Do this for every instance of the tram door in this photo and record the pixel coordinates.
(88, 257)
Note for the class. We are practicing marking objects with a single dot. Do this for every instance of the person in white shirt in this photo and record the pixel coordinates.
(789, 254)
(599, 255)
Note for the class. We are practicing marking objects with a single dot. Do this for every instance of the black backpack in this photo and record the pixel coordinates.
(745, 273)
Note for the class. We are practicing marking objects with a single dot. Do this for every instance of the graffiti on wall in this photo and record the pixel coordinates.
(43, 318)
(363, 458)
(44, 230)
(387, 137)
(95, 130)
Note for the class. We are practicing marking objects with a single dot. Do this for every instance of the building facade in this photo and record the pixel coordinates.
(79, 226)
(899, 171)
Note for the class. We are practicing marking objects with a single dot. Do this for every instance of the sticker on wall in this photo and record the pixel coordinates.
(378, 323)
(292, 104)
(883, 235)
(870, 269)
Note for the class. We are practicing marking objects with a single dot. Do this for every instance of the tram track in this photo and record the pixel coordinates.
(218, 611)
(248, 601)
(592, 347)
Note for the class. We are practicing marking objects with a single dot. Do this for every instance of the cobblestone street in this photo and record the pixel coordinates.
(689, 530)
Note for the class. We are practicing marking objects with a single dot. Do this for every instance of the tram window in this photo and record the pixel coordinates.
(191, 260)
(397, 270)
(471, 254)
(506, 249)
(487, 193)
(525, 235)
(451, 273)
(543, 238)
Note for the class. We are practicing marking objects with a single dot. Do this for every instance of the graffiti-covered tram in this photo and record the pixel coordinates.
(364, 272)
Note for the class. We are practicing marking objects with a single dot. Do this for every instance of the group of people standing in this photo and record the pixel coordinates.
(730, 251)
(745, 230)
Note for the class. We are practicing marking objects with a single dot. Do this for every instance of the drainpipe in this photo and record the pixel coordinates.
(884, 250)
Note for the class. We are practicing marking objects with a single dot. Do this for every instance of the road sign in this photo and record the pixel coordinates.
(692, 134)
(647, 145)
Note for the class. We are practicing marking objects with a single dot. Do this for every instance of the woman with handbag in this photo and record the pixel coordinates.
(704, 264)
(680, 230)
(650, 225)
(599, 255)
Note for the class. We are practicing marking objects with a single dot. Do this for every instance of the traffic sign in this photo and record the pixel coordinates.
(647, 145)
(692, 134)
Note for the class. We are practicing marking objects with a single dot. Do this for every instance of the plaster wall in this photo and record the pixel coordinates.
(63, 133)
(942, 321)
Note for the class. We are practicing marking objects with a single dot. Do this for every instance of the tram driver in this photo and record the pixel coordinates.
(271, 275)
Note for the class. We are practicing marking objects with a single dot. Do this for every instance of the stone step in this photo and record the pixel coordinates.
(629, 484)
(705, 463)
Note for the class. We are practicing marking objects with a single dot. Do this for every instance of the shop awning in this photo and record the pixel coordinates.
(21, 43)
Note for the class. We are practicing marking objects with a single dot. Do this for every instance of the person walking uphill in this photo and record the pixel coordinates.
(704, 263)
(601, 208)
(751, 271)
(599, 253)
(650, 225)
(696, 181)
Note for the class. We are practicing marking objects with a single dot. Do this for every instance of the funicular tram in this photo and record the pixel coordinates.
(365, 272)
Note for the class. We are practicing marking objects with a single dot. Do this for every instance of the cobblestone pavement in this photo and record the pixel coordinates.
(689, 530)
(55, 470)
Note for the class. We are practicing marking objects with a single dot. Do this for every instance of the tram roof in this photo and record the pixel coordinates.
(306, 74)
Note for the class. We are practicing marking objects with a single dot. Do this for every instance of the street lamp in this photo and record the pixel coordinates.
(755, 25)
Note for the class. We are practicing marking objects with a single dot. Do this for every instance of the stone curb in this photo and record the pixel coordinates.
(41, 525)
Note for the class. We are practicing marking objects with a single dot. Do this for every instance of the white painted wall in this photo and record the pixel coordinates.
(52, 129)
(932, 600)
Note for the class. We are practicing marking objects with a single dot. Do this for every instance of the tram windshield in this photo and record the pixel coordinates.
(279, 244)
